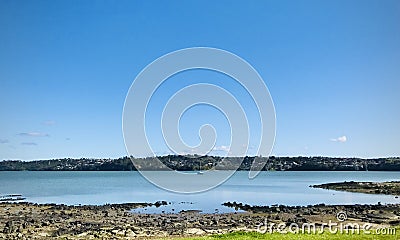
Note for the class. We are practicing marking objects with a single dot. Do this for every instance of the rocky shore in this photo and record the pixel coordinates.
(388, 188)
(116, 221)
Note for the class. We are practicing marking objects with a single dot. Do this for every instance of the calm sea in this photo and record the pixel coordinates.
(288, 188)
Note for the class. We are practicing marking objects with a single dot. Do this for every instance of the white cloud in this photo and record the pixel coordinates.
(221, 148)
(341, 139)
(2, 141)
(33, 134)
(191, 152)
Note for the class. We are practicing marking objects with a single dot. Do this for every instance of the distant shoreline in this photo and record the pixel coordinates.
(204, 163)
(387, 188)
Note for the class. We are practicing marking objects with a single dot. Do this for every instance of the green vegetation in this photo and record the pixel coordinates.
(291, 236)
(194, 163)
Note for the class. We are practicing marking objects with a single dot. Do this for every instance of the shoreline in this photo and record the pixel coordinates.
(193, 163)
(37, 221)
(386, 188)
(26, 220)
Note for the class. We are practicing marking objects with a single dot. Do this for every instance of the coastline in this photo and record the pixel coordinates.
(27, 220)
(193, 163)
(386, 188)
(115, 221)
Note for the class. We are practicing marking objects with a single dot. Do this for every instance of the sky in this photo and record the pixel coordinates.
(332, 69)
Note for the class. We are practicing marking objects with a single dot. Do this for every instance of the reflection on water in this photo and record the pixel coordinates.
(176, 207)
(288, 188)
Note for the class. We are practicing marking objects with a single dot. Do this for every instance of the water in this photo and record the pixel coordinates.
(288, 188)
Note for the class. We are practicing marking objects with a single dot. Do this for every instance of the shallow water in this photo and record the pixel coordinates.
(288, 188)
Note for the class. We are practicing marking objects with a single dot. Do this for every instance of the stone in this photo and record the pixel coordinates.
(195, 231)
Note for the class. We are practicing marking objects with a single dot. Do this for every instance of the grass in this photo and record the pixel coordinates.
(291, 236)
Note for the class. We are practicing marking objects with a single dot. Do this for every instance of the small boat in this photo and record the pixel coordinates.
(11, 197)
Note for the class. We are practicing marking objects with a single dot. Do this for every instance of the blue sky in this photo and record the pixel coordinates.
(332, 68)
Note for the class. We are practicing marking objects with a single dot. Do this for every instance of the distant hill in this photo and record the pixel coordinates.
(194, 163)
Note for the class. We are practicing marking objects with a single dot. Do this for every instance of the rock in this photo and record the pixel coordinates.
(130, 233)
(84, 234)
(118, 232)
(195, 231)
(43, 234)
